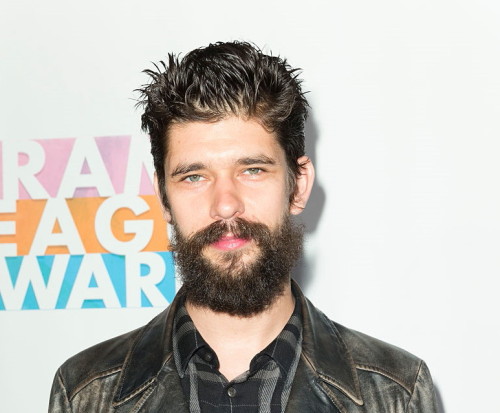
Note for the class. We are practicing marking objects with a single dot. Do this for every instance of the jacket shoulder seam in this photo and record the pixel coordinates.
(390, 375)
(59, 377)
(90, 379)
(415, 381)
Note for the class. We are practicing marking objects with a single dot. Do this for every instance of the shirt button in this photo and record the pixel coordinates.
(207, 357)
(231, 392)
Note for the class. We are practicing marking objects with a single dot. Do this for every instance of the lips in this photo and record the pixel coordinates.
(230, 242)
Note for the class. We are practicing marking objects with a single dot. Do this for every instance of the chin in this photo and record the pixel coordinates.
(234, 261)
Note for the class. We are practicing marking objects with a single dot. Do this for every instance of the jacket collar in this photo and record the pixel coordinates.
(153, 347)
(325, 350)
(150, 351)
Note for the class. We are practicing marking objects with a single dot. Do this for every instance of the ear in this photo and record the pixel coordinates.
(303, 185)
(166, 213)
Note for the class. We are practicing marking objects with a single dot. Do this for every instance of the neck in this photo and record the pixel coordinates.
(236, 340)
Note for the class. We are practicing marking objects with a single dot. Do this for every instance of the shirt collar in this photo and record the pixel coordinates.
(187, 341)
(283, 348)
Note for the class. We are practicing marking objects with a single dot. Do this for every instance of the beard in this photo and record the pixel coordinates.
(238, 284)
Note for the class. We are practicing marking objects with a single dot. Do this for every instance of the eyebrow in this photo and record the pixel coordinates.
(182, 168)
(260, 159)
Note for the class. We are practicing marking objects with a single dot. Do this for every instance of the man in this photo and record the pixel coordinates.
(226, 125)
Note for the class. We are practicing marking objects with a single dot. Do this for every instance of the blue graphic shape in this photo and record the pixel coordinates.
(167, 284)
(13, 265)
(69, 279)
(45, 263)
(93, 282)
(30, 302)
(115, 264)
(93, 304)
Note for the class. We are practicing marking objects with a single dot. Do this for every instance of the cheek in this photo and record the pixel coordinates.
(180, 218)
(188, 219)
(270, 208)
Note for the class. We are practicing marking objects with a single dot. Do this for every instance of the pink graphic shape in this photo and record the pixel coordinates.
(22, 159)
(146, 187)
(85, 192)
(1, 171)
(114, 152)
(57, 153)
(85, 168)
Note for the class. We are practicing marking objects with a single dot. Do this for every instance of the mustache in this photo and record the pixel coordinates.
(239, 227)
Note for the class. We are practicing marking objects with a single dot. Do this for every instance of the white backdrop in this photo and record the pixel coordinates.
(404, 223)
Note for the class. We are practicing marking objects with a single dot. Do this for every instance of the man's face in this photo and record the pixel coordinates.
(226, 183)
(224, 170)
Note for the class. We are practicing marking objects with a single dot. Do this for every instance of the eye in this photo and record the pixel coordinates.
(253, 171)
(193, 178)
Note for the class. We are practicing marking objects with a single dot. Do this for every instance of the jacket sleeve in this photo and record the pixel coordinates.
(423, 399)
(59, 402)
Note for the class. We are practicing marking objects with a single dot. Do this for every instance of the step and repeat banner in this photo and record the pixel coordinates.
(81, 226)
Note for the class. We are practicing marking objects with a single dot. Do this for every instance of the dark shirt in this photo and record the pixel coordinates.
(265, 387)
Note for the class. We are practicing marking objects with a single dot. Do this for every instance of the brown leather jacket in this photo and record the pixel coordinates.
(340, 370)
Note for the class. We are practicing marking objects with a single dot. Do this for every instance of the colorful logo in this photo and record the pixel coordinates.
(80, 226)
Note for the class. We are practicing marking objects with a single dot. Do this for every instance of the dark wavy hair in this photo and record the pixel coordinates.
(220, 80)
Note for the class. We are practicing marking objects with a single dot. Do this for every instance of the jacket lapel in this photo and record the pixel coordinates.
(306, 395)
(321, 338)
(149, 361)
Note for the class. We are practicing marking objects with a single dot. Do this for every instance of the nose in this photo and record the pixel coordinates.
(226, 202)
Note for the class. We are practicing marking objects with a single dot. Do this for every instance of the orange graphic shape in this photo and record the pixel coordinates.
(27, 215)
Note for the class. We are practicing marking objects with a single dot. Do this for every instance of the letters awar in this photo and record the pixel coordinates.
(62, 281)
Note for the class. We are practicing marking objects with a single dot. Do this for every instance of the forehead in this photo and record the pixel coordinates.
(223, 141)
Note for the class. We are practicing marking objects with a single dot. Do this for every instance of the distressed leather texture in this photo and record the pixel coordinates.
(340, 371)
